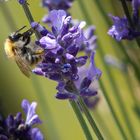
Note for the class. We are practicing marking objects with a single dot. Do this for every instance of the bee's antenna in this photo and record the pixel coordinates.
(20, 29)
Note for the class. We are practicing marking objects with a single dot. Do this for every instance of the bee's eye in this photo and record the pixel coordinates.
(15, 37)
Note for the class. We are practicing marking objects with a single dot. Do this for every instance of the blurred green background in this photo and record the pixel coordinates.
(59, 120)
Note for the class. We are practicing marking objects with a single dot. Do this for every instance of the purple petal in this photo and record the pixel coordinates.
(80, 61)
(36, 134)
(38, 71)
(32, 118)
(88, 92)
(85, 83)
(18, 117)
(48, 43)
(55, 76)
(69, 56)
(61, 85)
(92, 102)
(21, 1)
(64, 96)
(93, 72)
(57, 18)
(73, 50)
(25, 105)
(89, 32)
(10, 121)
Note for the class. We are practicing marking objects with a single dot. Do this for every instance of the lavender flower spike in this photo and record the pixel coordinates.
(15, 128)
(120, 29)
(29, 109)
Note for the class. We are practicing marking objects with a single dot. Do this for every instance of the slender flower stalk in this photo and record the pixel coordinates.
(75, 108)
(29, 17)
(81, 119)
(112, 82)
(90, 119)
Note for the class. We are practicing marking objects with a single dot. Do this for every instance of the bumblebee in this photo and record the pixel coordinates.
(18, 46)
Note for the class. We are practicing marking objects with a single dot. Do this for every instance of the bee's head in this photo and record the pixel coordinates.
(15, 36)
(24, 37)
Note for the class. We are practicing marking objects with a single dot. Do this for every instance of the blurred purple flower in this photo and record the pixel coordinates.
(120, 29)
(31, 116)
(16, 128)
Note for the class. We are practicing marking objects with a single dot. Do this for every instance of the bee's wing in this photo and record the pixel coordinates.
(23, 65)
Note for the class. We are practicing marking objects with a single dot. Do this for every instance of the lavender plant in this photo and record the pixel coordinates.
(16, 128)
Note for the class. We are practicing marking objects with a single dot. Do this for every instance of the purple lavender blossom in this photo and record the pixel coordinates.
(61, 63)
(16, 128)
(61, 47)
(120, 29)
(57, 4)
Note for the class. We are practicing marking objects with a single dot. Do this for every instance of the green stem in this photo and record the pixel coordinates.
(113, 111)
(126, 11)
(81, 120)
(30, 18)
(90, 119)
